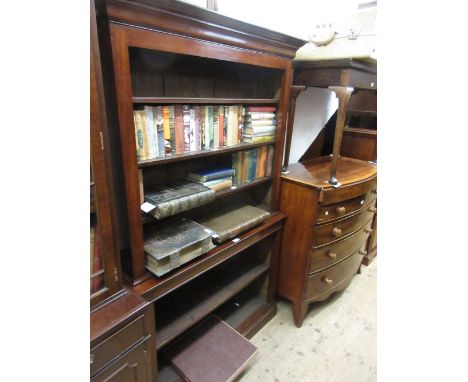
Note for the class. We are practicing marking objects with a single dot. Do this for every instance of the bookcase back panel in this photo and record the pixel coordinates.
(164, 74)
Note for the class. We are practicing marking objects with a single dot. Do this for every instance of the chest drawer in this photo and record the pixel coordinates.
(330, 278)
(328, 255)
(344, 208)
(331, 232)
(116, 344)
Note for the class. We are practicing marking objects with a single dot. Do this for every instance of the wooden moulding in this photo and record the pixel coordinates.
(187, 20)
(155, 288)
(204, 101)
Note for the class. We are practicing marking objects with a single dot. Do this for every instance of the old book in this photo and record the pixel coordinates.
(226, 125)
(151, 132)
(211, 174)
(198, 140)
(258, 139)
(172, 129)
(227, 183)
(212, 351)
(255, 116)
(221, 126)
(261, 109)
(177, 197)
(232, 126)
(236, 167)
(261, 162)
(210, 126)
(230, 221)
(260, 126)
(158, 117)
(245, 166)
(193, 131)
(144, 129)
(216, 181)
(207, 129)
(167, 128)
(138, 135)
(201, 126)
(179, 129)
(215, 127)
(252, 165)
(240, 122)
(186, 121)
(174, 244)
(269, 161)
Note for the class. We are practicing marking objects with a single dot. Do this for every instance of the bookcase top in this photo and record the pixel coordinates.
(189, 20)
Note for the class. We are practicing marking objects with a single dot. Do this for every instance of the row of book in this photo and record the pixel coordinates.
(252, 164)
(176, 129)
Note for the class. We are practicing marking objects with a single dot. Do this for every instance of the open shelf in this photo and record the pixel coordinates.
(157, 287)
(186, 306)
(202, 153)
(204, 101)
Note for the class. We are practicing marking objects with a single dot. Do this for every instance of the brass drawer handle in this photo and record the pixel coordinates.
(372, 209)
(331, 255)
(336, 232)
(368, 230)
(363, 252)
(340, 210)
(327, 280)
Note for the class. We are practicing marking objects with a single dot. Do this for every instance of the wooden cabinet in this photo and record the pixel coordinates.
(327, 228)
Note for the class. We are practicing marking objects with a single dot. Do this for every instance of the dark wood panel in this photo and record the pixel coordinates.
(360, 144)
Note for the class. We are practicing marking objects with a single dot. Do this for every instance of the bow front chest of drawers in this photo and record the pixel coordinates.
(327, 228)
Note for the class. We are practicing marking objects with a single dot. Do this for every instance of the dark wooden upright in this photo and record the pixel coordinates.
(330, 200)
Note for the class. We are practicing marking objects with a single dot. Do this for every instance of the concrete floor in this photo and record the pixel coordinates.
(336, 343)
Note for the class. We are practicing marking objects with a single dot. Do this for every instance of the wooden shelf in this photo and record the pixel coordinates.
(204, 101)
(362, 132)
(155, 288)
(185, 307)
(202, 153)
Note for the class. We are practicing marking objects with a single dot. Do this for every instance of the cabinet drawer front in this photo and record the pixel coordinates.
(326, 256)
(116, 344)
(336, 195)
(330, 278)
(331, 232)
(345, 208)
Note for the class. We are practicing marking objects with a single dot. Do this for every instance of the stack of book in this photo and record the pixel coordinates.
(253, 164)
(259, 124)
(165, 130)
(217, 179)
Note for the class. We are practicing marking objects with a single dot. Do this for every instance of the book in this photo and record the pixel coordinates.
(167, 128)
(210, 126)
(179, 129)
(161, 143)
(175, 243)
(269, 161)
(196, 111)
(255, 135)
(226, 183)
(236, 167)
(256, 116)
(261, 162)
(244, 166)
(144, 129)
(261, 122)
(211, 174)
(230, 221)
(201, 126)
(207, 129)
(240, 122)
(216, 181)
(261, 109)
(233, 125)
(151, 132)
(221, 126)
(252, 167)
(138, 135)
(193, 131)
(226, 124)
(186, 121)
(211, 351)
(270, 130)
(215, 127)
(172, 129)
(171, 199)
(258, 139)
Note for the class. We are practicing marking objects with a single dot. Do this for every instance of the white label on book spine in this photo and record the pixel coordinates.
(233, 187)
(147, 207)
(236, 240)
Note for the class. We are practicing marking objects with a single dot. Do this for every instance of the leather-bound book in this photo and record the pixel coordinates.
(261, 163)
(252, 165)
(244, 166)
(177, 197)
(159, 121)
(232, 220)
(172, 129)
(212, 351)
(179, 129)
(186, 122)
(174, 244)
(269, 161)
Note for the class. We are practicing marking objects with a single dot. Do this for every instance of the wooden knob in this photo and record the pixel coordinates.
(372, 209)
(336, 232)
(331, 255)
(327, 280)
(368, 230)
(363, 252)
(340, 210)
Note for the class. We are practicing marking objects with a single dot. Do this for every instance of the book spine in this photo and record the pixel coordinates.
(207, 129)
(222, 185)
(230, 233)
(269, 161)
(252, 164)
(172, 129)
(148, 115)
(138, 135)
(196, 116)
(221, 126)
(244, 166)
(230, 128)
(185, 203)
(261, 109)
(218, 175)
(216, 181)
(167, 129)
(226, 125)
(235, 165)
(211, 126)
(160, 132)
(215, 127)
(262, 162)
(186, 122)
(235, 125)
(257, 164)
(240, 122)
(256, 116)
(261, 139)
(201, 126)
(144, 129)
(261, 122)
(179, 129)
(193, 131)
